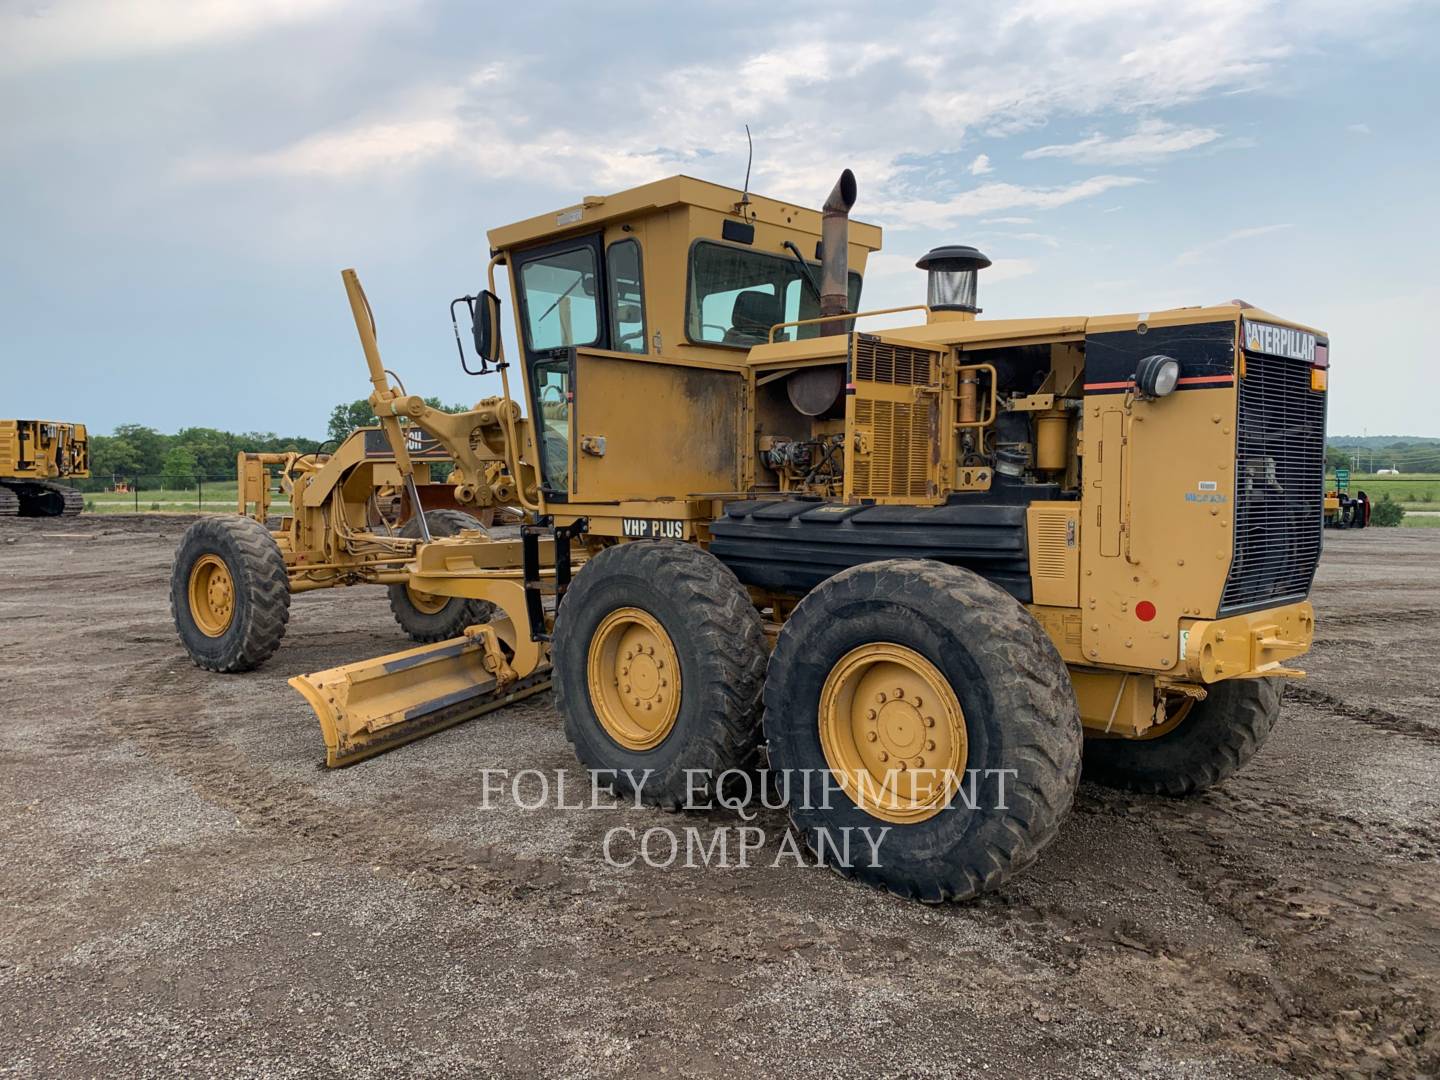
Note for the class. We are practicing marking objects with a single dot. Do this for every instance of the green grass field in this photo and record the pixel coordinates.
(1414, 491)
(211, 498)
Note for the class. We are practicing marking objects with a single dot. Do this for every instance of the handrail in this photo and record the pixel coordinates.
(509, 421)
(848, 315)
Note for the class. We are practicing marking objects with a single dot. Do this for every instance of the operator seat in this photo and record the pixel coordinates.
(751, 318)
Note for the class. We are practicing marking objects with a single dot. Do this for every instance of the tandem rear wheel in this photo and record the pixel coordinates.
(229, 594)
(942, 715)
(659, 657)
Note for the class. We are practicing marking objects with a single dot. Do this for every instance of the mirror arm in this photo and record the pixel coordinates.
(469, 302)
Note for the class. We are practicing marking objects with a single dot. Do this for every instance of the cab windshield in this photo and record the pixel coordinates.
(737, 294)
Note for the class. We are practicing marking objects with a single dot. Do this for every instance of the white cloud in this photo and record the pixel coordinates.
(1040, 62)
(1203, 251)
(1358, 129)
(40, 34)
(989, 198)
(1033, 237)
(1151, 140)
(1007, 221)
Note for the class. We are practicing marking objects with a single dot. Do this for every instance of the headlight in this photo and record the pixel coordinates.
(1157, 376)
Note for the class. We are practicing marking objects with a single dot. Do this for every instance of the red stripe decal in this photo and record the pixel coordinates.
(1194, 380)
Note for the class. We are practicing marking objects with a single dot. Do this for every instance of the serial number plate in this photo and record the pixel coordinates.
(652, 529)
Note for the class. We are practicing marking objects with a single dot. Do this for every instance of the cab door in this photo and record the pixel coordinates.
(563, 305)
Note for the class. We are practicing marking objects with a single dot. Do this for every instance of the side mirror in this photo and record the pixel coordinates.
(485, 326)
(484, 330)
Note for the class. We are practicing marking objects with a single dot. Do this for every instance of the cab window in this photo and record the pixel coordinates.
(560, 291)
(737, 294)
(552, 401)
(627, 298)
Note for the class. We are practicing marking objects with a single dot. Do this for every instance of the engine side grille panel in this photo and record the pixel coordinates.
(1279, 485)
(896, 424)
(882, 362)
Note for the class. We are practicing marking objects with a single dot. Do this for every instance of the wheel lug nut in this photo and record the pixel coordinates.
(930, 744)
(929, 721)
(663, 684)
(899, 692)
(901, 765)
(659, 664)
(918, 702)
(884, 756)
(627, 688)
(870, 714)
(870, 736)
(880, 697)
(648, 706)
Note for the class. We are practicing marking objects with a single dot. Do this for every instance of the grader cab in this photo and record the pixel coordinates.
(918, 571)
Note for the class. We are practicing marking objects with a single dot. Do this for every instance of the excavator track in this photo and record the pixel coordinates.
(39, 498)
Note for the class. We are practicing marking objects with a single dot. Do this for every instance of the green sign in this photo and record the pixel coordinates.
(1342, 479)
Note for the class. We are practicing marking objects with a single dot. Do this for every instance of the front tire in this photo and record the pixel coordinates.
(895, 679)
(434, 618)
(1214, 741)
(229, 593)
(659, 657)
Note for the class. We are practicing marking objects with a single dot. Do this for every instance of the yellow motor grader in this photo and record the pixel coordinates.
(919, 570)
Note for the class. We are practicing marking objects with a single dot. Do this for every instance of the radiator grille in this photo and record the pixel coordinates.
(1279, 485)
(898, 365)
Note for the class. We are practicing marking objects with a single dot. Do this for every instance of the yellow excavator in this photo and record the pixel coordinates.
(35, 455)
(909, 562)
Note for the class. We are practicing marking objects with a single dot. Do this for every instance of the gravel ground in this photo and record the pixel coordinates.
(185, 889)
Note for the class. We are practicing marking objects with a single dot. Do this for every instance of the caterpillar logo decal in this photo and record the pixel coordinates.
(652, 529)
(1279, 341)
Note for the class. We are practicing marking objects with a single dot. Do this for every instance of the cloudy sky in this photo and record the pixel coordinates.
(183, 179)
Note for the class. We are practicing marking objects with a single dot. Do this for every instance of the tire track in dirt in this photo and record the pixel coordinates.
(1369, 715)
(1322, 1004)
(1326, 1005)
(650, 916)
(1319, 1008)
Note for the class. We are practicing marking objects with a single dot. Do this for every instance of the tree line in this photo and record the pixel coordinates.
(1406, 455)
(135, 451)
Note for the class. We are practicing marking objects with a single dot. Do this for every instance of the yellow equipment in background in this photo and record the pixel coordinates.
(34, 454)
(903, 560)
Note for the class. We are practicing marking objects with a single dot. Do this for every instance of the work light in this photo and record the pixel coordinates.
(1157, 376)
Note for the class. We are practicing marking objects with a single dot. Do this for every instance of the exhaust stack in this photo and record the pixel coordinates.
(835, 255)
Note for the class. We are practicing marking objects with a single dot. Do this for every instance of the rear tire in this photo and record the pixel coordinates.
(1214, 741)
(1006, 703)
(229, 593)
(427, 618)
(686, 605)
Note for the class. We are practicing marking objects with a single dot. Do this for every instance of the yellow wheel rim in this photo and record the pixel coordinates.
(426, 603)
(893, 733)
(634, 678)
(1173, 717)
(212, 595)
